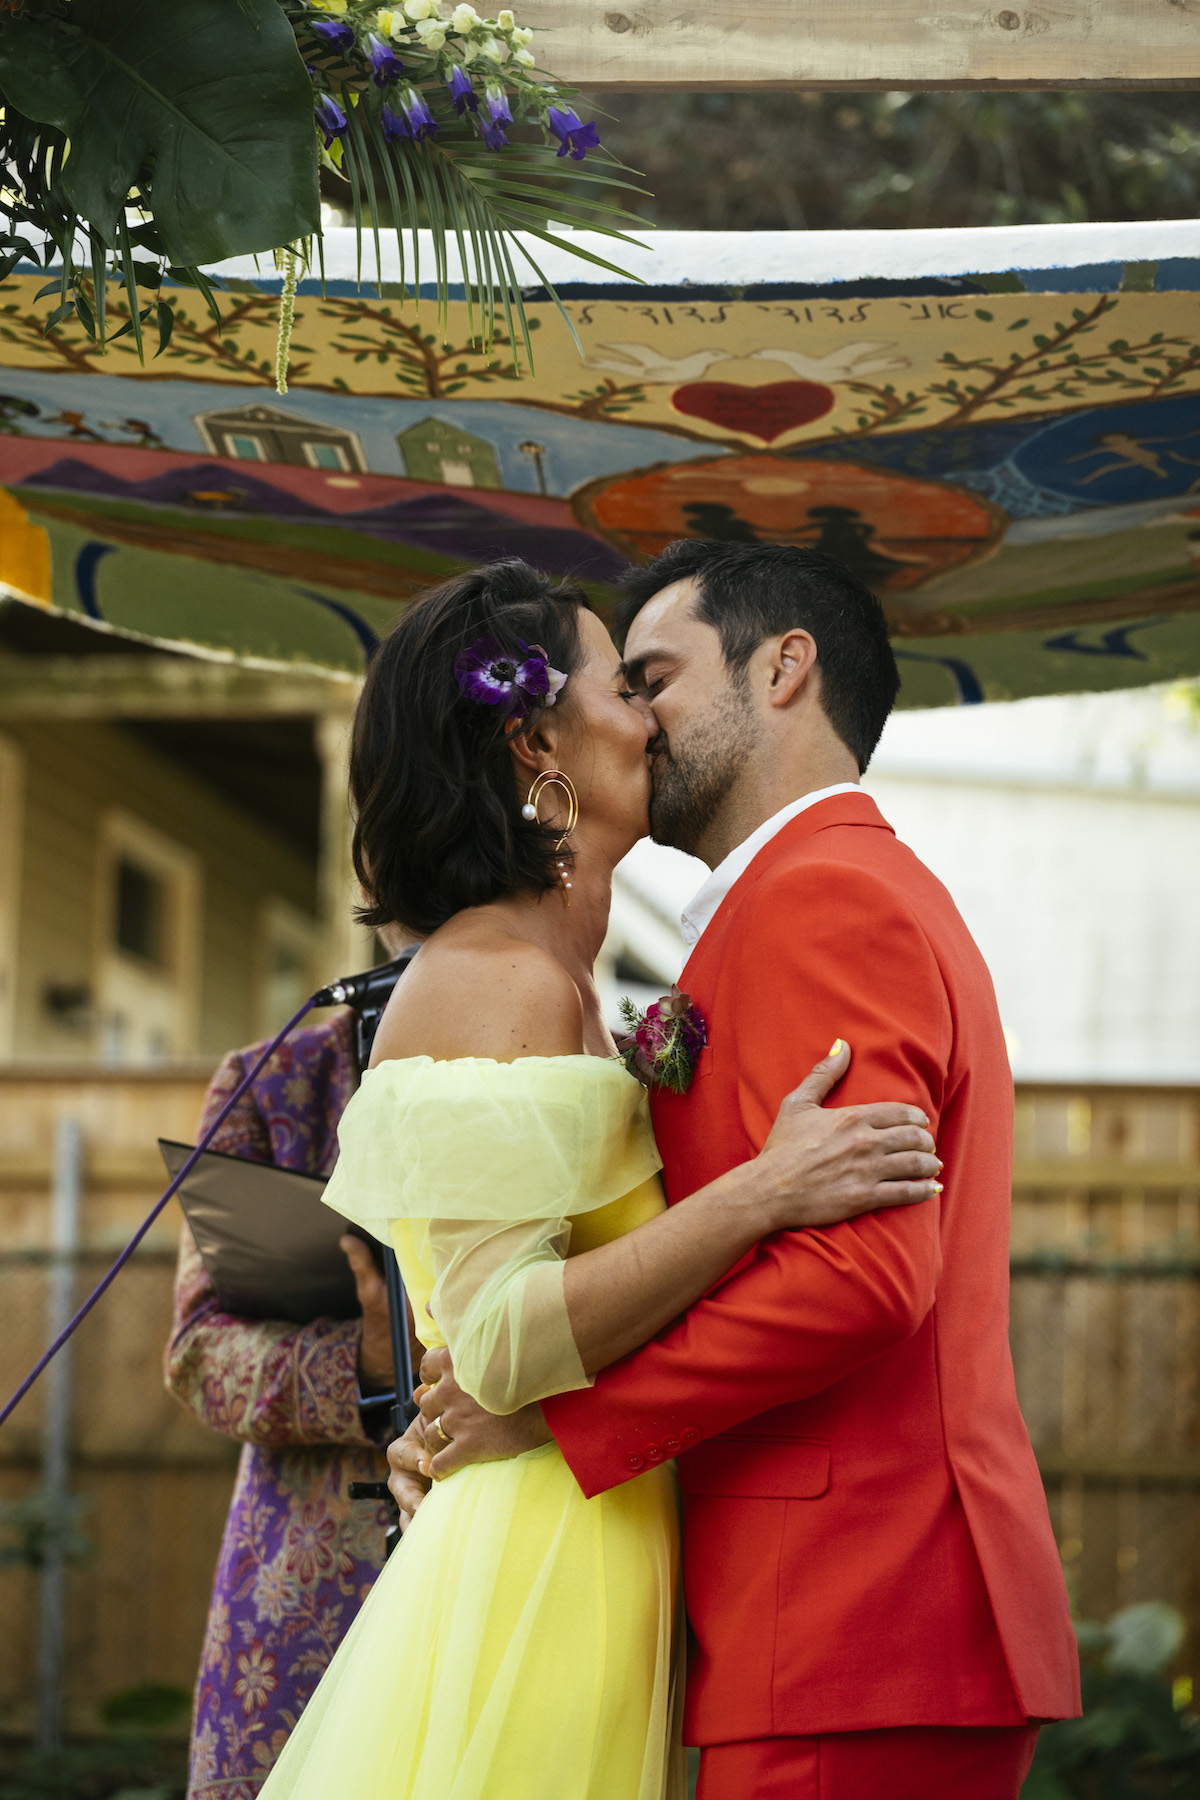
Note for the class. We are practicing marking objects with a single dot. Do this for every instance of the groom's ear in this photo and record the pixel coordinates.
(792, 662)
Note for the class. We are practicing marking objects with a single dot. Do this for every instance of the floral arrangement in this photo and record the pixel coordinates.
(143, 140)
(664, 1042)
(489, 675)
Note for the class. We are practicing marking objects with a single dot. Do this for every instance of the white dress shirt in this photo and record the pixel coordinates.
(698, 913)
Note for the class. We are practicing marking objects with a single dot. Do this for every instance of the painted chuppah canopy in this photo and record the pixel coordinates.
(999, 430)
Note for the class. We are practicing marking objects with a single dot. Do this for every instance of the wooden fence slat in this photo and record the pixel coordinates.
(858, 45)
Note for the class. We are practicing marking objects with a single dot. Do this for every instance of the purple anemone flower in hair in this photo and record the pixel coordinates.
(492, 676)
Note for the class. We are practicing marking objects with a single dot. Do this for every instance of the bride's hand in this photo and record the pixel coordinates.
(820, 1166)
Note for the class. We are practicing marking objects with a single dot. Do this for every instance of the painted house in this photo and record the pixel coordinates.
(267, 434)
(435, 451)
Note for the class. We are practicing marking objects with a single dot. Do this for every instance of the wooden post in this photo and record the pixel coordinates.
(347, 947)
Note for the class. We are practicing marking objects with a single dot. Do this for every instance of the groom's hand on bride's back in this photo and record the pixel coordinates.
(829, 1164)
(453, 1430)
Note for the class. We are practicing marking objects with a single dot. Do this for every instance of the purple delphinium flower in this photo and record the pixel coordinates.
(384, 61)
(421, 121)
(461, 91)
(491, 675)
(330, 118)
(394, 126)
(494, 117)
(335, 32)
(574, 138)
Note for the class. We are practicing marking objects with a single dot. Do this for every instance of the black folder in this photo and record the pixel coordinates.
(267, 1238)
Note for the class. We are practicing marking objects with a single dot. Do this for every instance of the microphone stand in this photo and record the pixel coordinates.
(367, 995)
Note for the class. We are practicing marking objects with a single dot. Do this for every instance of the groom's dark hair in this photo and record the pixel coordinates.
(751, 592)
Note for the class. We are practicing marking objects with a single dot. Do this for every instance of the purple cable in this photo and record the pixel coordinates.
(148, 1221)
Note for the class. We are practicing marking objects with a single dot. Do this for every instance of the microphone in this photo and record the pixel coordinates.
(359, 990)
(367, 994)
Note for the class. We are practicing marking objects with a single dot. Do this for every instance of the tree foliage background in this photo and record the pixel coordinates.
(795, 161)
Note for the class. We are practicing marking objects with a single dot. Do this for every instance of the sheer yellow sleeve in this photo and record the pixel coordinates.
(490, 1161)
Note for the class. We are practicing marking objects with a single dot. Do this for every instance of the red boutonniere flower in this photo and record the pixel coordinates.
(663, 1042)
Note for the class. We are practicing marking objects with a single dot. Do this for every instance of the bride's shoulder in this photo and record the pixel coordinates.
(483, 992)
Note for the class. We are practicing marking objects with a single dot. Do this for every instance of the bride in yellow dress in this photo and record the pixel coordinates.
(524, 1642)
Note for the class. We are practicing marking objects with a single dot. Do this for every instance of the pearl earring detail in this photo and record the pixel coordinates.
(555, 778)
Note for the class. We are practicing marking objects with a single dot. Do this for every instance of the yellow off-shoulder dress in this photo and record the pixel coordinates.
(523, 1642)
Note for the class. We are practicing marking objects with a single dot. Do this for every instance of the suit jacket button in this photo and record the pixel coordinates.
(635, 1462)
(672, 1446)
(689, 1437)
(654, 1453)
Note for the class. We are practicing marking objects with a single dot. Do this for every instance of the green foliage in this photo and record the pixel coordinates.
(1131, 1740)
(113, 1769)
(152, 1706)
(770, 162)
(204, 107)
(39, 1526)
(144, 139)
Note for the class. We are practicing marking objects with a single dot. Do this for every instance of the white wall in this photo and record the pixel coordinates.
(1068, 832)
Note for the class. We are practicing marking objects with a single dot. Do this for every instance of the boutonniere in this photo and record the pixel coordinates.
(663, 1042)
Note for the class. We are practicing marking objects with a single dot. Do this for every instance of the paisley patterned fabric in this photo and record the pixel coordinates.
(298, 1556)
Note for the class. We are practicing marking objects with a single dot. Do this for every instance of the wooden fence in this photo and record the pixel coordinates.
(1105, 1333)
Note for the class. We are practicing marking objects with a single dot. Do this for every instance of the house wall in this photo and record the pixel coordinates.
(75, 777)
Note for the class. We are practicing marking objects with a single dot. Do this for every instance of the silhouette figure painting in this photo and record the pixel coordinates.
(710, 519)
(893, 530)
(841, 531)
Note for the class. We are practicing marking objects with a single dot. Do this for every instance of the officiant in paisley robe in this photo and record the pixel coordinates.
(298, 1557)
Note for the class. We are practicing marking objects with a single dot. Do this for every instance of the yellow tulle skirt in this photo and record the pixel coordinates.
(521, 1644)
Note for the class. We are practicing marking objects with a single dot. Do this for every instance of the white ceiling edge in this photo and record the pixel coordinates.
(739, 258)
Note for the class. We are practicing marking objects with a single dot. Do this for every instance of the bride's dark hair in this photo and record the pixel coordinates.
(438, 823)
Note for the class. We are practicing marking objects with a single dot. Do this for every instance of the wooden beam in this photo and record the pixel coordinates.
(860, 44)
(163, 687)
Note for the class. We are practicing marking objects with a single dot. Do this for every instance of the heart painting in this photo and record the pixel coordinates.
(761, 412)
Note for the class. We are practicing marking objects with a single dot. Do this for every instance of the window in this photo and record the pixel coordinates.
(457, 474)
(139, 911)
(248, 449)
(325, 456)
(148, 940)
(288, 960)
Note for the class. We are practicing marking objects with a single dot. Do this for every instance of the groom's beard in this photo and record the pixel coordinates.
(692, 774)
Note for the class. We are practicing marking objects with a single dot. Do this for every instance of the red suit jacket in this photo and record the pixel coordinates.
(866, 1542)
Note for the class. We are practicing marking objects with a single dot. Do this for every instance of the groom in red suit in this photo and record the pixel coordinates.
(871, 1577)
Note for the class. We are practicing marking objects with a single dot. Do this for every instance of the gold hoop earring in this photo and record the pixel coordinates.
(554, 778)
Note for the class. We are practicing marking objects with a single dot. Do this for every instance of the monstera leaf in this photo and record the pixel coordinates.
(209, 96)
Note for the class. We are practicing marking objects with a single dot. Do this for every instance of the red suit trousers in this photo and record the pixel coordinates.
(914, 1763)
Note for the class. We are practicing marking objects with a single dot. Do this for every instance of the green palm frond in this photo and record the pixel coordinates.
(493, 206)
